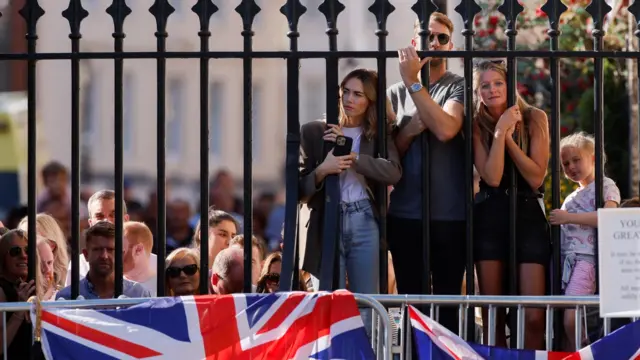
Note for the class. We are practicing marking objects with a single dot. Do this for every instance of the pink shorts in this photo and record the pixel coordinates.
(583, 279)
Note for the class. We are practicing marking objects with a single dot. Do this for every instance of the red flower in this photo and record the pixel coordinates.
(482, 33)
(563, 87)
(491, 31)
(571, 106)
(540, 13)
(476, 21)
(493, 20)
(564, 130)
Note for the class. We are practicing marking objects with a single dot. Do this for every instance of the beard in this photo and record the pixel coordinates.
(436, 62)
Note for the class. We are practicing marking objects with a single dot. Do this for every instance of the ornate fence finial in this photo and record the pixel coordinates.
(204, 9)
(511, 9)
(31, 12)
(161, 10)
(293, 10)
(424, 9)
(381, 9)
(75, 13)
(554, 9)
(118, 11)
(468, 9)
(331, 9)
(248, 9)
(598, 9)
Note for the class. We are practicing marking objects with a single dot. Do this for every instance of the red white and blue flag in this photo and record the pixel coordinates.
(293, 325)
(435, 342)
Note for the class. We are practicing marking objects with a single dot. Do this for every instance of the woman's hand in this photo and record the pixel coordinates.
(508, 121)
(336, 164)
(332, 132)
(26, 290)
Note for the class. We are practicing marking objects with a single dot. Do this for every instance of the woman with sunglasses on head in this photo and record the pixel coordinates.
(504, 137)
(182, 272)
(48, 228)
(14, 287)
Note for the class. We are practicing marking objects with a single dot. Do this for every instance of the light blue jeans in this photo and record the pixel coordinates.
(360, 252)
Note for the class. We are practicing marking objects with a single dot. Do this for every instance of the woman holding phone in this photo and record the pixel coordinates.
(359, 172)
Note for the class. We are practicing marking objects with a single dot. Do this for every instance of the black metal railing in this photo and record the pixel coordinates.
(293, 10)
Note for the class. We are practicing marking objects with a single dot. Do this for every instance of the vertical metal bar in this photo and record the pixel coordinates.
(511, 9)
(204, 10)
(424, 9)
(292, 10)
(31, 12)
(553, 9)
(5, 356)
(578, 326)
(381, 10)
(634, 9)
(598, 9)
(491, 337)
(247, 10)
(468, 10)
(607, 326)
(521, 328)
(75, 14)
(161, 9)
(549, 329)
(331, 9)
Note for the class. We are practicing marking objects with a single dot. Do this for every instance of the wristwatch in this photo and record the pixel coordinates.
(415, 87)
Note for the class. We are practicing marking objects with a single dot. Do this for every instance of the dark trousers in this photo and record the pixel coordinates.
(447, 257)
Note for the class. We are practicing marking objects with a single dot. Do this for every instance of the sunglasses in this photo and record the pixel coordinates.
(17, 251)
(443, 39)
(189, 270)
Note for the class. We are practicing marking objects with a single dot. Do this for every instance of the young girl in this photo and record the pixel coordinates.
(578, 218)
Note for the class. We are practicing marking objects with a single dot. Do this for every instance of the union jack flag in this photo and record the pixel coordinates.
(292, 325)
(435, 342)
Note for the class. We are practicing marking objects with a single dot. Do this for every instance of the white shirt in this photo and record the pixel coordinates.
(351, 189)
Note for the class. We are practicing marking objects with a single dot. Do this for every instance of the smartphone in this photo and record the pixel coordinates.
(343, 146)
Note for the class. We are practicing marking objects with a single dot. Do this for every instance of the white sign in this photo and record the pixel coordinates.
(619, 262)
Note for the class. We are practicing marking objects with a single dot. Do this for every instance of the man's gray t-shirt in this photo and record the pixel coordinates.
(447, 185)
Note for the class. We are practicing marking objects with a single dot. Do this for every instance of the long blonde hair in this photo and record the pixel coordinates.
(49, 228)
(481, 116)
(369, 79)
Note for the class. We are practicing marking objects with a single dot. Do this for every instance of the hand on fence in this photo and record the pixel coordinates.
(559, 217)
(335, 164)
(410, 64)
(332, 132)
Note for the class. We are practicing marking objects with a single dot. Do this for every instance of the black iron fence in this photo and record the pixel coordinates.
(293, 10)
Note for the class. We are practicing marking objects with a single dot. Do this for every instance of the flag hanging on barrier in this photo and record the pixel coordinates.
(435, 342)
(294, 325)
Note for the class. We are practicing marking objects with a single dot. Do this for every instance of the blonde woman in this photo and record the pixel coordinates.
(182, 272)
(49, 229)
(507, 138)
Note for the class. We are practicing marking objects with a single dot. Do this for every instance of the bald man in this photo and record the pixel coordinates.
(228, 272)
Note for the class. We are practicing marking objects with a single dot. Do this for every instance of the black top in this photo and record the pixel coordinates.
(21, 344)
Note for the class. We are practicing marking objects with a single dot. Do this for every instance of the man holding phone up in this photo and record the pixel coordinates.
(440, 111)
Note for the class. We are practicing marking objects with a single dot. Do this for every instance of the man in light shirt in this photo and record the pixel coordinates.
(136, 260)
(101, 207)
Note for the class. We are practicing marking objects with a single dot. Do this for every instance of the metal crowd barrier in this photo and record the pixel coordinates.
(402, 330)
(379, 341)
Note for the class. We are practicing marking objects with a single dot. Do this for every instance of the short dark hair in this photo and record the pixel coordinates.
(218, 216)
(100, 229)
(53, 168)
(104, 195)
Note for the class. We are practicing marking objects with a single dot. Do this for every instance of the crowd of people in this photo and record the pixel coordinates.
(504, 137)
